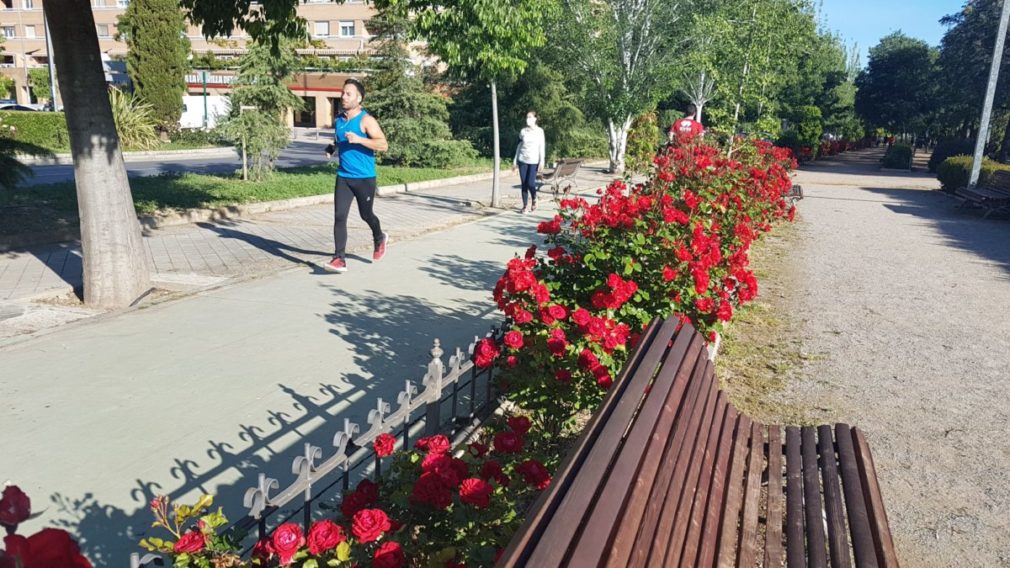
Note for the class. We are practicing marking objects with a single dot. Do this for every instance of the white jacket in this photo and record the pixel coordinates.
(532, 147)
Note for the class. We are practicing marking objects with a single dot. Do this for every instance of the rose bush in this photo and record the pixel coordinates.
(44, 549)
(677, 244)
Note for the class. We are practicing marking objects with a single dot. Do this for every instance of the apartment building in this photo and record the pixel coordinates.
(339, 29)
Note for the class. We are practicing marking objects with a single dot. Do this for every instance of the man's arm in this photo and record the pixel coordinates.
(376, 140)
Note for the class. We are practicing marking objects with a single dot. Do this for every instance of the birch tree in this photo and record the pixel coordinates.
(625, 51)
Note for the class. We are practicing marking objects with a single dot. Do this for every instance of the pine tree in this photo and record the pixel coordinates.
(154, 31)
(414, 119)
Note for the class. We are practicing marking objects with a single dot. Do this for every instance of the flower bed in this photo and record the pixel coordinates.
(677, 244)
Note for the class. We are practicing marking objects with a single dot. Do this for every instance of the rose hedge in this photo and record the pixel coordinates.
(676, 244)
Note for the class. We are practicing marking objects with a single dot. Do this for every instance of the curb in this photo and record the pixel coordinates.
(67, 159)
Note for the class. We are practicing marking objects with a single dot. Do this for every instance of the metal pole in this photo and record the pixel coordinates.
(990, 94)
(52, 65)
(205, 99)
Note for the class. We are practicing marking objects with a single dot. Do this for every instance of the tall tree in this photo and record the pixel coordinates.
(486, 40)
(625, 51)
(154, 32)
(414, 118)
(894, 89)
(115, 264)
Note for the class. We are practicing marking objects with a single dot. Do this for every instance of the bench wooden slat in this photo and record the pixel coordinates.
(734, 494)
(838, 539)
(855, 504)
(752, 499)
(704, 494)
(886, 555)
(678, 550)
(773, 535)
(713, 514)
(795, 540)
(638, 464)
(680, 453)
(652, 347)
(816, 543)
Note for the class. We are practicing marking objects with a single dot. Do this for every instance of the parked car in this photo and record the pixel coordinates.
(16, 107)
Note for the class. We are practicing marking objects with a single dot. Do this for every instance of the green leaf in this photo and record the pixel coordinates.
(311, 563)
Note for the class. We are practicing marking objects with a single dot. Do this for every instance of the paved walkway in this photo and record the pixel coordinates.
(211, 252)
(902, 300)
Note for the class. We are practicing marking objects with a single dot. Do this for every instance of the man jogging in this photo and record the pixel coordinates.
(358, 138)
(686, 129)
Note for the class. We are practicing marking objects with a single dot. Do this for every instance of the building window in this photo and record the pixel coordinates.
(122, 3)
(30, 32)
(346, 29)
(29, 4)
(103, 30)
(7, 31)
(321, 29)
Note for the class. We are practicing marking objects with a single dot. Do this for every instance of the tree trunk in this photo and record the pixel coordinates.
(697, 115)
(618, 137)
(495, 195)
(115, 264)
(1004, 147)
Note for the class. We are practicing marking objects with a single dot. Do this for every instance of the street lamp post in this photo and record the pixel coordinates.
(990, 94)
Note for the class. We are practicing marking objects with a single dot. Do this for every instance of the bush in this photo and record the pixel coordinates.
(947, 148)
(198, 137)
(955, 171)
(898, 156)
(643, 139)
(45, 129)
(804, 138)
(135, 121)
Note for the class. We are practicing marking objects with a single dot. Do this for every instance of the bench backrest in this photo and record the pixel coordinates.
(568, 168)
(668, 473)
(999, 181)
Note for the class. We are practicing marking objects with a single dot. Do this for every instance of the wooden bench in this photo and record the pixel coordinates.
(561, 180)
(993, 196)
(669, 473)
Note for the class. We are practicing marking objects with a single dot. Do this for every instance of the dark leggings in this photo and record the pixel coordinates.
(347, 190)
(528, 177)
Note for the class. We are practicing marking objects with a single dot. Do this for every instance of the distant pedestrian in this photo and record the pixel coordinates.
(686, 129)
(530, 154)
(358, 138)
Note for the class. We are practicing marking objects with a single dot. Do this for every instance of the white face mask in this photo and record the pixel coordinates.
(531, 121)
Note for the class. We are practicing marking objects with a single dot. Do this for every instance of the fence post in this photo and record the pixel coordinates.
(433, 379)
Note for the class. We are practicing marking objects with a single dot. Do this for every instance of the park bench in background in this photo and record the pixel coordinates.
(993, 195)
(669, 473)
(561, 180)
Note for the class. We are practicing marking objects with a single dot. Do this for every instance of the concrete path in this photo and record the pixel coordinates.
(200, 395)
(903, 300)
(207, 253)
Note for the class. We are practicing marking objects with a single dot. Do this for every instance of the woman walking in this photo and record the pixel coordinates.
(529, 158)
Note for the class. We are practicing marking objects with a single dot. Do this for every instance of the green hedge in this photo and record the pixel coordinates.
(947, 148)
(898, 156)
(954, 172)
(46, 129)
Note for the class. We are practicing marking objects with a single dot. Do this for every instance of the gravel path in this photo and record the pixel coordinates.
(907, 301)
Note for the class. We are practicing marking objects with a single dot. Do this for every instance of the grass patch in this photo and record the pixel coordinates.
(197, 191)
(760, 353)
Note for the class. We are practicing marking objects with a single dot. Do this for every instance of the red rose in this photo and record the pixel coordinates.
(604, 380)
(485, 353)
(46, 548)
(581, 317)
(263, 550)
(366, 494)
(193, 541)
(437, 444)
(514, 340)
(369, 524)
(558, 312)
(492, 470)
(588, 360)
(511, 361)
(477, 449)
(704, 305)
(563, 375)
(324, 536)
(508, 442)
(476, 492)
(535, 474)
(725, 311)
(15, 506)
(519, 424)
(442, 466)
(669, 273)
(430, 489)
(384, 445)
(287, 539)
(389, 555)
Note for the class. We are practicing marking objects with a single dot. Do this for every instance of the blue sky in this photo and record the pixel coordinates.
(866, 21)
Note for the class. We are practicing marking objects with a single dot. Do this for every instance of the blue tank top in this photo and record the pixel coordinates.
(356, 161)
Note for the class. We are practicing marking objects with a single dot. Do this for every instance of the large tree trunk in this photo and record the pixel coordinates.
(115, 265)
(495, 195)
(618, 137)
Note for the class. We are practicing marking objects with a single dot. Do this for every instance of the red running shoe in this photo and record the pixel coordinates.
(335, 265)
(380, 249)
